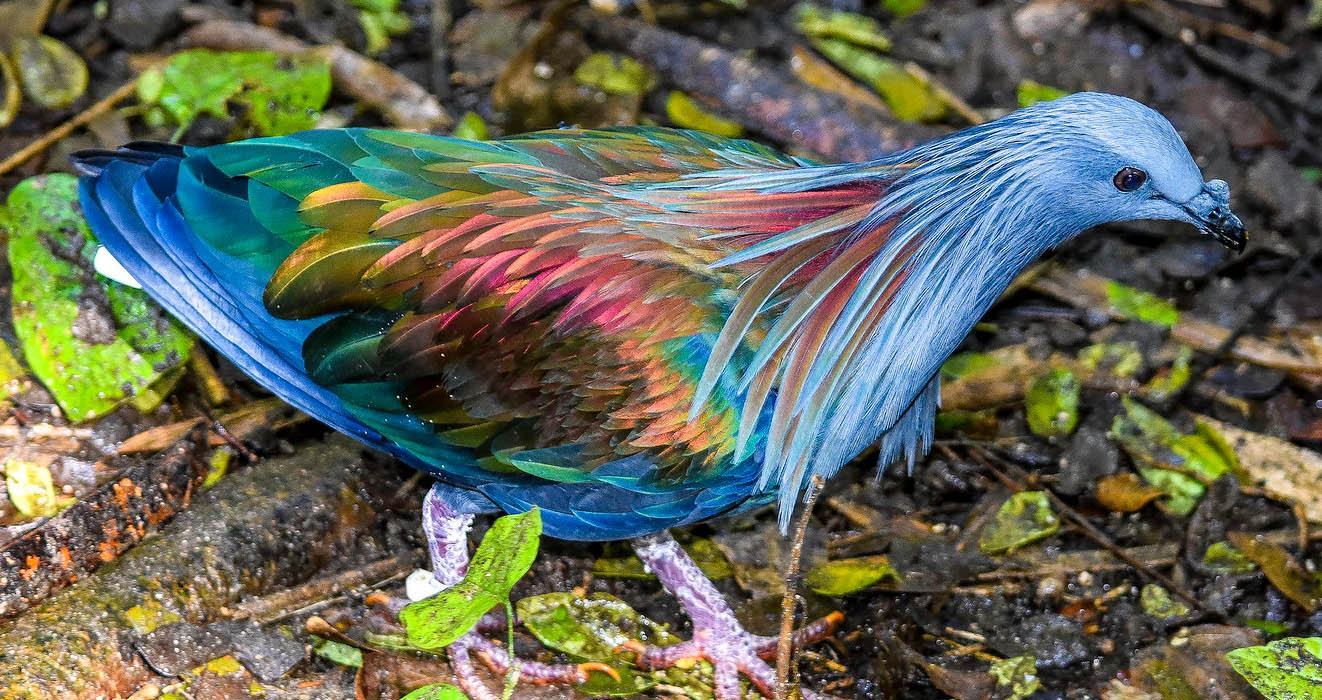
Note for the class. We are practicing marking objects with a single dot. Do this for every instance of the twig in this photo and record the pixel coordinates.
(442, 17)
(984, 457)
(283, 604)
(787, 602)
(50, 138)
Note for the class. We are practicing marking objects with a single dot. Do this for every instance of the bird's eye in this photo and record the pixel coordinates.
(1130, 179)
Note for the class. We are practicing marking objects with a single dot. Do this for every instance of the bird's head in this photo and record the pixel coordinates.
(1090, 159)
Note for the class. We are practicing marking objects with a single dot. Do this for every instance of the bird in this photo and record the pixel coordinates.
(631, 329)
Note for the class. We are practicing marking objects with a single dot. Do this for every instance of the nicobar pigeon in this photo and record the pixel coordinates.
(632, 329)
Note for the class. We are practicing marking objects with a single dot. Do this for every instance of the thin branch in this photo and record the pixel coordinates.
(81, 119)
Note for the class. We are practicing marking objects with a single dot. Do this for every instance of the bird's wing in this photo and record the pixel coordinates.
(529, 317)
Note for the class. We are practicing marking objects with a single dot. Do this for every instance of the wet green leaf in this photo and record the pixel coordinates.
(903, 8)
(275, 95)
(844, 576)
(92, 342)
(504, 556)
(617, 75)
(1286, 669)
(907, 97)
(1171, 380)
(709, 558)
(1023, 519)
(683, 111)
(380, 20)
(53, 75)
(338, 653)
(31, 489)
(1224, 558)
(1158, 603)
(1164, 455)
(1136, 304)
(967, 363)
(593, 629)
(854, 28)
(1118, 359)
(1269, 627)
(1031, 92)
(472, 127)
(1052, 404)
(436, 691)
(1018, 675)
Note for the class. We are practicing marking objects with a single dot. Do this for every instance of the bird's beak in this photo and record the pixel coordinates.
(1210, 212)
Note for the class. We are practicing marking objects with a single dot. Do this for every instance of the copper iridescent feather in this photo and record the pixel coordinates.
(617, 326)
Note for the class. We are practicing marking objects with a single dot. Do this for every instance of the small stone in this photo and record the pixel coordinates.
(141, 24)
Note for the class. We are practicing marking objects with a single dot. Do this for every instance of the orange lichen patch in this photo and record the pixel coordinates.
(66, 558)
(32, 564)
(124, 490)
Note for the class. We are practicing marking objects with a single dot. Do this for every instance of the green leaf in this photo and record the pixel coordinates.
(1136, 304)
(593, 629)
(504, 556)
(907, 97)
(1222, 557)
(274, 95)
(338, 653)
(1157, 602)
(844, 576)
(1031, 92)
(53, 75)
(436, 691)
(966, 363)
(903, 8)
(1170, 381)
(1286, 669)
(854, 28)
(1118, 359)
(1018, 675)
(94, 343)
(1052, 404)
(683, 111)
(471, 127)
(1163, 454)
(1024, 518)
(617, 75)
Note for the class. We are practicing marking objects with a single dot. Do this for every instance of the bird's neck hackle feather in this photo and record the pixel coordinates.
(854, 356)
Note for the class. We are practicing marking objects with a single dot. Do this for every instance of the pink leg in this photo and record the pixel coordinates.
(717, 635)
(447, 542)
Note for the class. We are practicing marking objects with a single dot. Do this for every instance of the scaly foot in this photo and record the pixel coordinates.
(717, 635)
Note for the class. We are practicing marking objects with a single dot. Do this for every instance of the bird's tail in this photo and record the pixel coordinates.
(131, 199)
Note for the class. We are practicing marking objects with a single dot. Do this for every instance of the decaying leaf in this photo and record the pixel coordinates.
(617, 75)
(32, 490)
(704, 552)
(1125, 493)
(1281, 569)
(93, 343)
(1024, 518)
(13, 92)
(53, 75)
(1016, 676)
(1224, 558)
(1282, 467)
